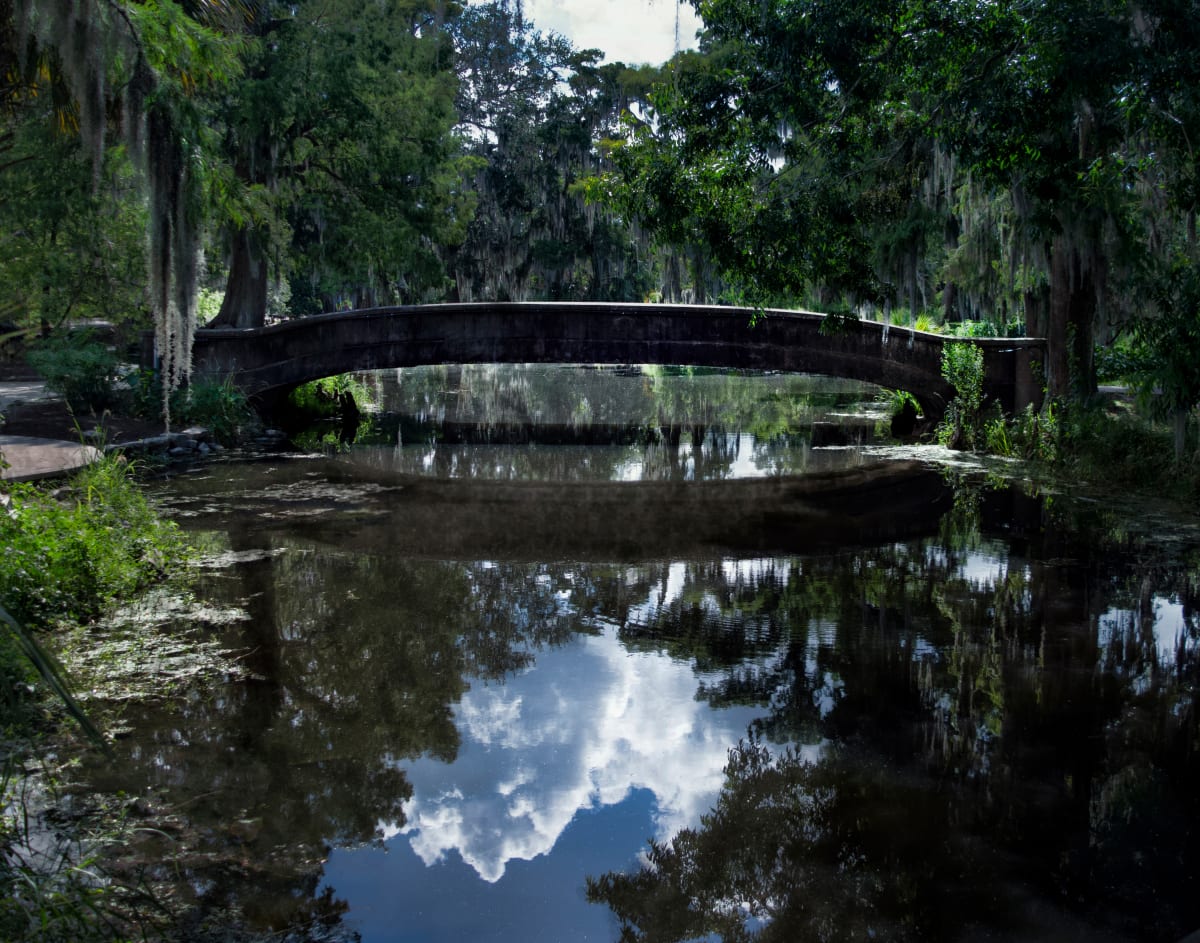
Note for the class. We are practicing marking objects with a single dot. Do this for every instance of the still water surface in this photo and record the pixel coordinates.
(536, 619)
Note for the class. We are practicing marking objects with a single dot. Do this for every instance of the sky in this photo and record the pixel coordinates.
(629, 31)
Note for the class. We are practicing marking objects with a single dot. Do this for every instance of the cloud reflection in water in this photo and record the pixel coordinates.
(581, 729)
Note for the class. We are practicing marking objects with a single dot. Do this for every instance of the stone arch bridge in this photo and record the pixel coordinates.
(270, 361)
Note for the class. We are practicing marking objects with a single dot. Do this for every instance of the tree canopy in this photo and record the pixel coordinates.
(1027, 164)
(1021, 160)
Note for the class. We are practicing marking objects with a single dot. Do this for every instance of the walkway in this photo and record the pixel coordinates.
(28, 458)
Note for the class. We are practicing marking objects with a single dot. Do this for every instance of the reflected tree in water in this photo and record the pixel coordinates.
(974, 731)
(962, 727)
(355, 663)
(794, 851)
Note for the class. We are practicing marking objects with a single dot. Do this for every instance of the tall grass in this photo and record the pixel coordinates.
(1115, 448)
(53, 886)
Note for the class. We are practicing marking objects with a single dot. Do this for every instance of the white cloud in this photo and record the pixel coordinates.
(630, 31)
(631, 721)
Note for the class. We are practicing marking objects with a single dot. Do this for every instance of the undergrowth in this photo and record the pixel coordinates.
(218, 405)
(79, 368)
(71, 554)
(1114, 447)
(329, 396)
(53, 886)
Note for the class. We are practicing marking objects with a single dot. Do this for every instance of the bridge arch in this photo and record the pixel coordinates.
(267, 362)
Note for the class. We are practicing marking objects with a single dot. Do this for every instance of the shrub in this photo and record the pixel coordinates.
(218, 405)
(962, 367)
(1030, 434)
(73, 559)
(79, 368)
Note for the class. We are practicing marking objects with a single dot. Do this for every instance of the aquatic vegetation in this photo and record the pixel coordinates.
(218, 405)
(52, 887)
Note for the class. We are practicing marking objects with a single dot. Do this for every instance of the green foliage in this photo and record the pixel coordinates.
(208, 304)
(325, 397)
(839, 322)
(142, 75)
(1032, 434)
(20, 651)
(1119, 362)
(1167, 375)
(1016, 161)
(218, 405)
(72, 237)
(53, 887)
(962, 368)
(82, 370)
(72, 559)
(347, 177)
(1111, 447)
(530, 111)
(985, 328)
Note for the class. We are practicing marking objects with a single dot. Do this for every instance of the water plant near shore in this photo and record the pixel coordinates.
(218, 405)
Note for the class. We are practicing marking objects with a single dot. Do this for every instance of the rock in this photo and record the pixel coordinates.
(182, 440)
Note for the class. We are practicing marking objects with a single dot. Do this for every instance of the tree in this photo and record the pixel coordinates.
(771, 148)
(1169, 344)
(69, 248)
(139, 69)
(844, 152)
(340, 140)
(530, 110)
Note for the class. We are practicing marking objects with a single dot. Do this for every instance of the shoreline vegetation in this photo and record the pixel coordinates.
(72, 554)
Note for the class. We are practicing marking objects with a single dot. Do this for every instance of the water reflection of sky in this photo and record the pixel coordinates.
(1168, 625)
(592, 747)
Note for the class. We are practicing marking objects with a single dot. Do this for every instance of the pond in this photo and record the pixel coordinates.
(546, 652)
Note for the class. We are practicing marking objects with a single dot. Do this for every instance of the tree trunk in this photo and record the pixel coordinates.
(245, 303)
(1070, 328)
(1037, 311)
